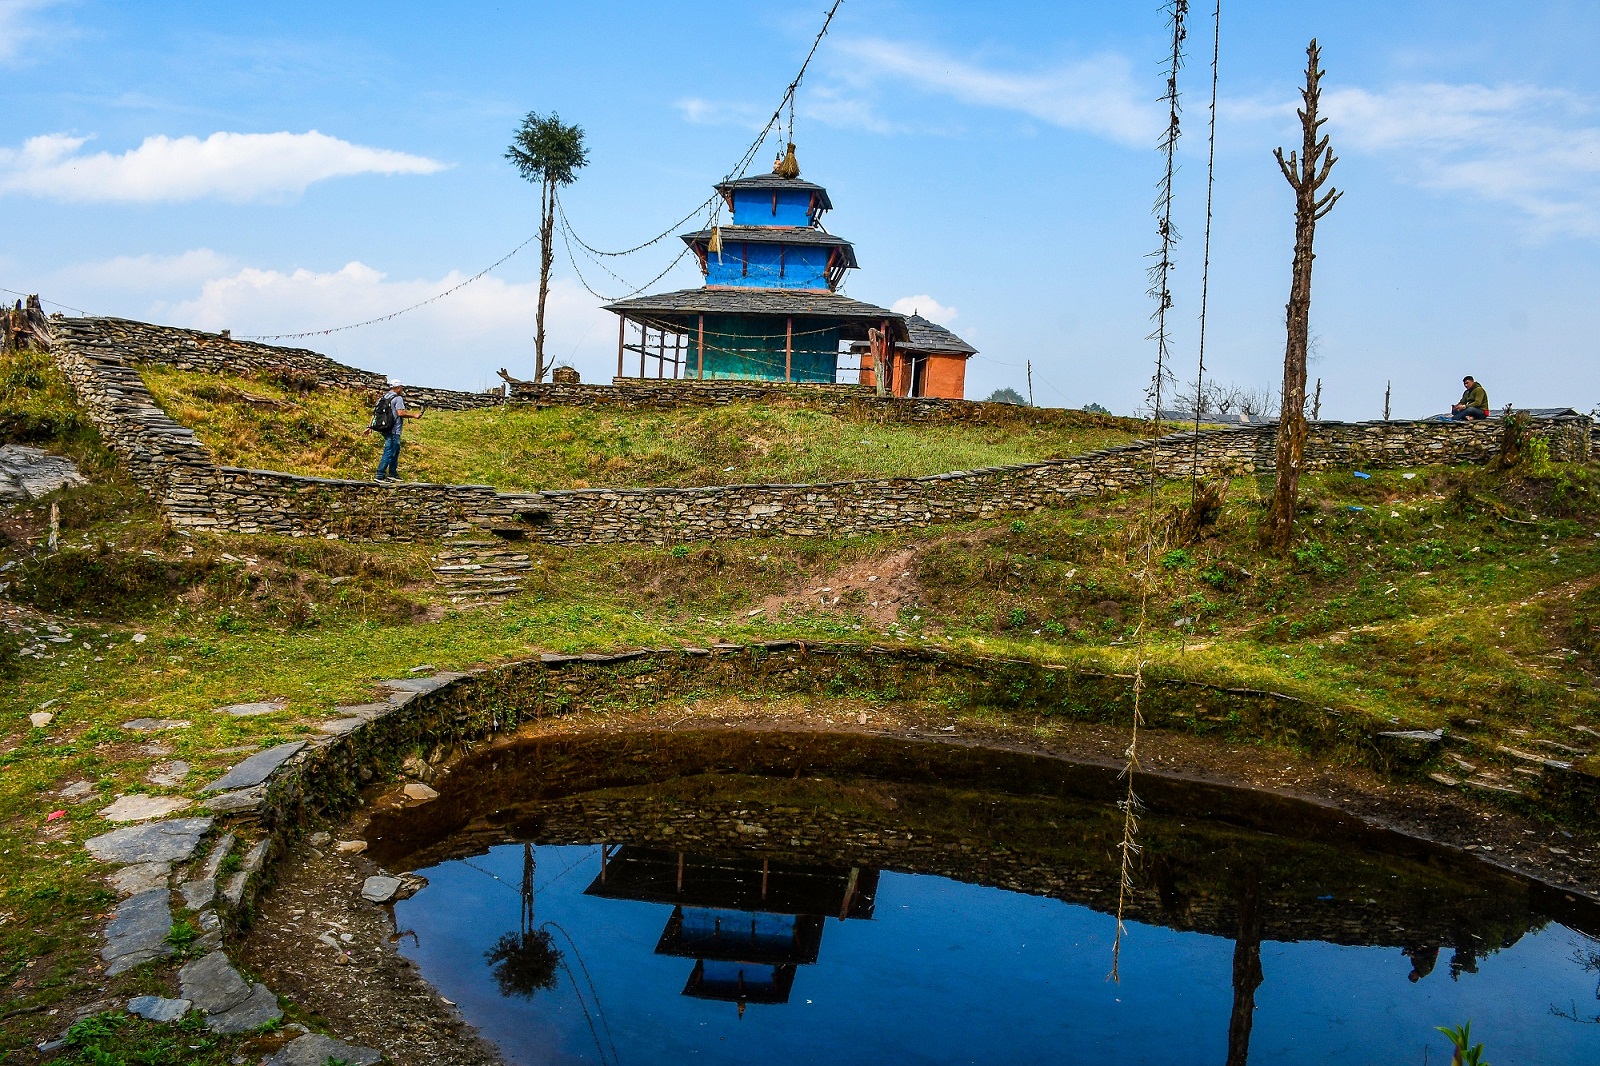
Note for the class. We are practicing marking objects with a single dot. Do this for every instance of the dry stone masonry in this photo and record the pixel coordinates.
(100, 356)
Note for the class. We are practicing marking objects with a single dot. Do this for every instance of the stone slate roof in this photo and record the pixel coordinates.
(931, 337)
(778, 235)
(773, 181)
(680, 308)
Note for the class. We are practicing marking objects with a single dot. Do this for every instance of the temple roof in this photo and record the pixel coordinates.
(778, 235)
(931, 337)
(773, 181)
(853, 315)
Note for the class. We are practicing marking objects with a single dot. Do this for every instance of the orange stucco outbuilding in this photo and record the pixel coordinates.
(932, 361)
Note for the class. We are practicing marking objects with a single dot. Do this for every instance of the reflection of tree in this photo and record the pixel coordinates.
(525, 962)
(1246, 969)
(1587, 956)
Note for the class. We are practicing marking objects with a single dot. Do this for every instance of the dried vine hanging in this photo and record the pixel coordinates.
(1161, 290)
(1205, 263)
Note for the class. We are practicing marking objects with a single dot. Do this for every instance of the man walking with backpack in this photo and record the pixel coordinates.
(387, 418)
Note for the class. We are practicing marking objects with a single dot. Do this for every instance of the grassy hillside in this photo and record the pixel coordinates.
(324, 433)
(1437, 597)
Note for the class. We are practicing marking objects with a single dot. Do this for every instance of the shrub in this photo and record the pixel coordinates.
(36, 403)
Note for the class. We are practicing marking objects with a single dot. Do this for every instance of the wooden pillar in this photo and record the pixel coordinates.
(644, 334)
(622, 333)
(892, 371)
(677, 359)
(700, 359)
(661, 353)
(788, 349)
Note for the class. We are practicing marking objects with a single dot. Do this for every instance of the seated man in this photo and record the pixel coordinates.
(1474, 401)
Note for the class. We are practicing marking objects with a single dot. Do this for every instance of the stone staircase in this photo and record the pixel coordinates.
(477, 571)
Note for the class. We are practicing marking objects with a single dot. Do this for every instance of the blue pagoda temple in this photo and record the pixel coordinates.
(770, 309)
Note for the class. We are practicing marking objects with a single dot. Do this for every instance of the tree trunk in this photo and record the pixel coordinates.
(1246, 970)
(547, 223)
(1306, 172)
(25, 327)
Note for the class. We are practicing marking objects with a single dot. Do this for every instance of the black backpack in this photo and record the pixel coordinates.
(383, 416)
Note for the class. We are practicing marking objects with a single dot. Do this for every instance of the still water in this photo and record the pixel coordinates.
(734, 898)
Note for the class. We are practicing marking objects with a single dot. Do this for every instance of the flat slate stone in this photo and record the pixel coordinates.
(168, 774)
(138, 931)
(243, 799)
(421, 684)
(141, 877)
(154, 725)
(314, 1049)
(257, 1010)
(340, 726)
(256, 769)
(249, 710)
(1420, 736)
(138, 808)
(364, 710)
(212, 984)
(158, 1008)
(379, 888)
(171, 841)
(198, 893)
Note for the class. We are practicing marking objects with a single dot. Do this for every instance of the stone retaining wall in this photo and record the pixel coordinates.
(167, 460)
(664, 516)
(438, 717)
(849, 400)
(212, 353)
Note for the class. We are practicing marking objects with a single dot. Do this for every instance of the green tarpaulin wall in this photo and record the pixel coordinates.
(745, 346)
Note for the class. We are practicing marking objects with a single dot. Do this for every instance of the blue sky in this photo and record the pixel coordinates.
(285, 167)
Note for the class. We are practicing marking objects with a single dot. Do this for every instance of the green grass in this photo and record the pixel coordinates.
(1449, 595)
(323, 433)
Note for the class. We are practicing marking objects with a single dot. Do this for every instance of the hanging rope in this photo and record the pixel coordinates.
(738, 171)
(1161, 290)
(53, 303)
(714, 202)
(395, 314)
(658, 238)
(1205, 264)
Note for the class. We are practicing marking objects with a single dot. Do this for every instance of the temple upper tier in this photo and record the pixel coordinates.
(770, 308)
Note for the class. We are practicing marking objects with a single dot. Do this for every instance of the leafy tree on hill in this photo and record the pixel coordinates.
(1007, 396)
(548, 153)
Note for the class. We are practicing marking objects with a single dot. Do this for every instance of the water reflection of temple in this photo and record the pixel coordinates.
(749, 923)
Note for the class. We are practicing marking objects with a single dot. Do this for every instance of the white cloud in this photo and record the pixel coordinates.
(457, 342)
(151, 275)
(1536, 150)
(703, 112)
(927, 307)
(19, 26)
(1098, 95)
(228, 166)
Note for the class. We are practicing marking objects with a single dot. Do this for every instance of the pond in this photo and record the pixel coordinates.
(731, 896)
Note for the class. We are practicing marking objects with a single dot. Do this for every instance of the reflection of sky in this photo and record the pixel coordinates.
(955, 973)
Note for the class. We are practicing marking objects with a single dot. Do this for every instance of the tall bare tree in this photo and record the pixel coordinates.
(1307, 172)
(548, 153)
